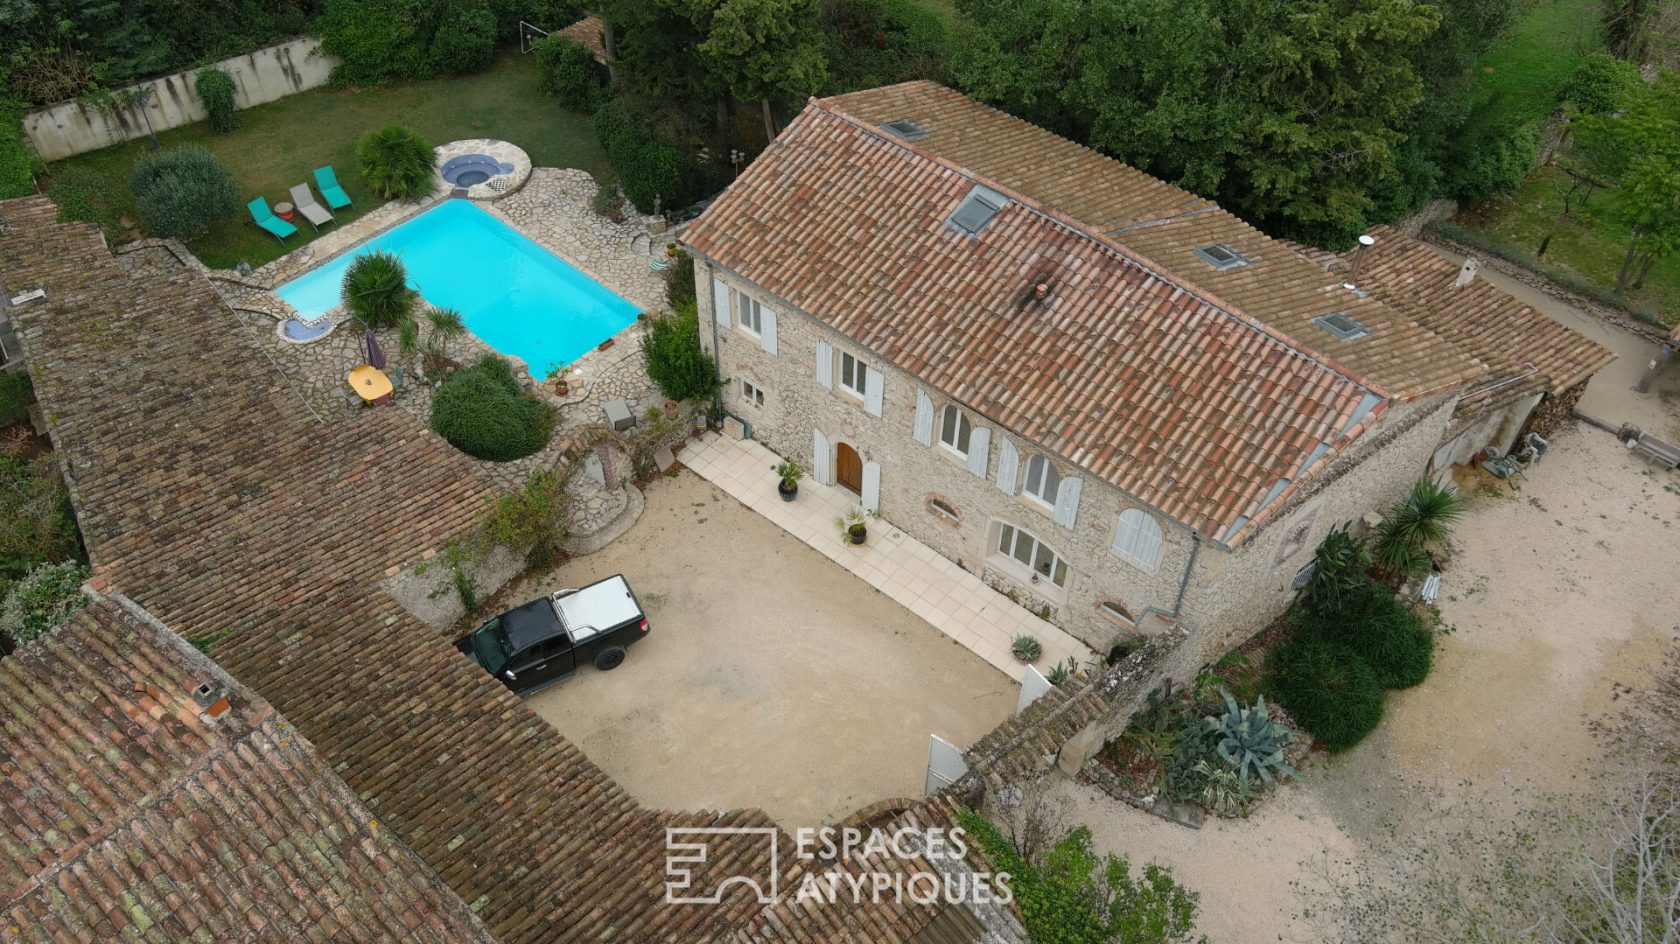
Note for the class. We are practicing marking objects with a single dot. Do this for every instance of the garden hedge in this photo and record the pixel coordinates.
(483, 412)
(181, 192)
(570, 72)
(649, 169)
(1327, 688)
(216, 90)
(18, 163)
(676, 359)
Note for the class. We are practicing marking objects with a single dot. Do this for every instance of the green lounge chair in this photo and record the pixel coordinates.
(327, 182)
(267, 220)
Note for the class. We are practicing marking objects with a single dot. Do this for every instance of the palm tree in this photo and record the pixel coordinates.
(445, 326)
(375, 290)
(397, 163)
(1425, 517)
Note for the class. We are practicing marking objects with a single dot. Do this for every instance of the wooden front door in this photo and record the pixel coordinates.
(848, 468)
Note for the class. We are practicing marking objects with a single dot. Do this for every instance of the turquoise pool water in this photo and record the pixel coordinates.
(516, 296)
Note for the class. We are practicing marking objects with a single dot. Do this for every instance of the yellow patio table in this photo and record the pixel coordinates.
(370, 383)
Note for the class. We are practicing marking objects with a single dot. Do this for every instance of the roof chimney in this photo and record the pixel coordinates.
(1467, 273)
(1365, 243)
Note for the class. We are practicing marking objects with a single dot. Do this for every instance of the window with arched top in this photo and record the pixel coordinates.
(955, 430)
(1115, 610)
(1043, 481)
(1137, 539)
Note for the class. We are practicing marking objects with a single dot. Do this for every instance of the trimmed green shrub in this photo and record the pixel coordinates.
(570, 72)
(676, 360)
(1494, 163)
(18, 162)
(46, 596)
(1327, 689)
(397, 163)
(679, 282)
(87, 196)
(465, 42)
(1396, 644)
(181, 192)
(216, 90)
(483, 412)
(375, 290)
(648, 169)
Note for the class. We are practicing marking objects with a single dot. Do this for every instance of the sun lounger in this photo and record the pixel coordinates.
(327, 181)
(304, 200)
(264, 217)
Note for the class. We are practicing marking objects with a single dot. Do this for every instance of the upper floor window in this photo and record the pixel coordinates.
(1043, 481)
(955, 430)
(854, 374)
(1026, 549)
(1137, 538)
(751, 313)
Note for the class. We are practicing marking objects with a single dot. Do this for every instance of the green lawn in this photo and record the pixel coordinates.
(1589, 244)
(1528, 67)
(279, 144)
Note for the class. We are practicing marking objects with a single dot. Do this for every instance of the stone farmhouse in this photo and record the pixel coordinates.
(1113, 400)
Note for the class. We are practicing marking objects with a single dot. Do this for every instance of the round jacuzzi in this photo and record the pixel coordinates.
(470, 169)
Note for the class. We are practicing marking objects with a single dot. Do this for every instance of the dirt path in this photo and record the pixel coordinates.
(1555, 596)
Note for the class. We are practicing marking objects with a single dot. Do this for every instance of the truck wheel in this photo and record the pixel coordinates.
(609, 658)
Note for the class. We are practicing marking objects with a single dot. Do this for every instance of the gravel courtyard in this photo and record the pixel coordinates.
(772, 677)
(1557, 595)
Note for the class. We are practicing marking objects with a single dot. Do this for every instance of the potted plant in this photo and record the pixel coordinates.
(790, 474)
(852, 530)
(1027, 649)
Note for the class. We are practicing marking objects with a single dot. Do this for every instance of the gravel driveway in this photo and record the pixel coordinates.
(772, 678)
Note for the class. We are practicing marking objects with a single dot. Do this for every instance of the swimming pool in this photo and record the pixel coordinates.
(516, 296)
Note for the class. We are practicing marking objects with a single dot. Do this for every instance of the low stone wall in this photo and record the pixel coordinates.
(263, 75)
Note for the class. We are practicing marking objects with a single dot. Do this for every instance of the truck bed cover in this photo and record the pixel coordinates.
(598, 607)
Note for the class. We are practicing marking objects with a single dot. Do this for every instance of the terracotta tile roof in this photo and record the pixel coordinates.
(587, 33)
(1194, 409)
(127, 812)
(1526, 350)
(1161, 225)
(209, 495)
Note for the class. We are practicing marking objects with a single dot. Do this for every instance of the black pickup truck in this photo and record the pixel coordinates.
(531, 647)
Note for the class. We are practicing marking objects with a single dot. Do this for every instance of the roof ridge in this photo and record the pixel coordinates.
(1126, 255)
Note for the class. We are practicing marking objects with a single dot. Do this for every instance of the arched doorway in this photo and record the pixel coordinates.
(848, 468)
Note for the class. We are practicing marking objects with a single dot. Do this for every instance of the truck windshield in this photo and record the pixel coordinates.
(491, 644)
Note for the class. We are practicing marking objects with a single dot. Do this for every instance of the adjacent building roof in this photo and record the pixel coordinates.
(588, 33)
(131, 809)
(1194, 406)
(209, 494)
(1526, 350)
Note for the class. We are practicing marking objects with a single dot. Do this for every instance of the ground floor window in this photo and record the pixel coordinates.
(754, 395)
(1023, 549)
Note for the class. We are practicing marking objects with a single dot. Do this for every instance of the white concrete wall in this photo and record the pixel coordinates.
(262, 76)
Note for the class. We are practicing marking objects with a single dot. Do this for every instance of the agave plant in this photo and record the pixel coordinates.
(1249, 740)
(1425, 516)
(1223, 791)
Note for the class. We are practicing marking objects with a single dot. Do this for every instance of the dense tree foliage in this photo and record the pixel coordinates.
(1639, 148)
(18, 163)
(1287, 114)
(57, 49)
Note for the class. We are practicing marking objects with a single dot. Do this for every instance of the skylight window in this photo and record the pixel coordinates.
(976, 210)
(1222, 257)
(1341, 326)
(905, 128)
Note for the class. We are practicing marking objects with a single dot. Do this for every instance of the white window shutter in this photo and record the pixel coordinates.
(874, 391)
(872, 487)
(820, 458)
(1067, 502)
(979, 443)
(1009, 464)
(720, 302)
(825, 365)
(767, 337)
(1137, 538)
(923, 430)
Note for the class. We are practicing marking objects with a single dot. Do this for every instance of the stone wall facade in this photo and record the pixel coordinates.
(930, 492)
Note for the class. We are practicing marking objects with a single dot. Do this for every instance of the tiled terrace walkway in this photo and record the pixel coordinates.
(954, 601)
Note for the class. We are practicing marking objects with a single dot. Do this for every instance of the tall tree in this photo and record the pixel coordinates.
(1640, 147)
(762, 49)
(1285, 113)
